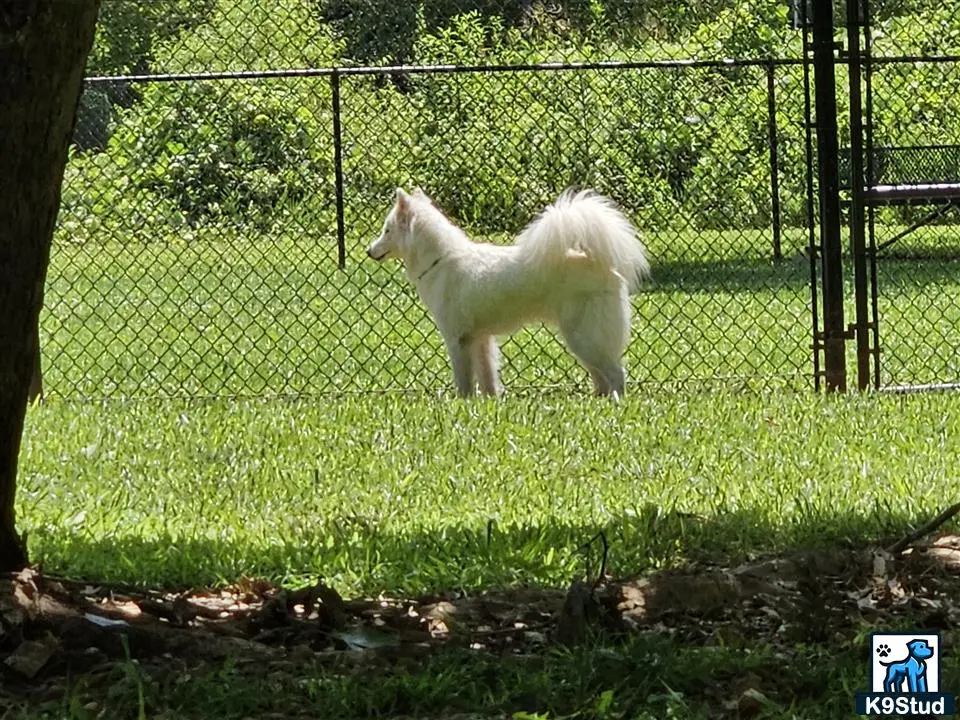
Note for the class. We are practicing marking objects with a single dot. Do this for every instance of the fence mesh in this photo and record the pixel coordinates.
(198, 250)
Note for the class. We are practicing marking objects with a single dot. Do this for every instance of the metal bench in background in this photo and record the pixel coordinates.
(909, 175)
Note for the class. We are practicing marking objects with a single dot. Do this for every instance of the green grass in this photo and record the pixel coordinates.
(228, 313)
(408, 495)
(414, 494)
(647, 679)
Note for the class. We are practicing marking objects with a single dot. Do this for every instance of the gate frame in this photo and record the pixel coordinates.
(861, 146)
(827, 55)
(820, 53)
(867, 192)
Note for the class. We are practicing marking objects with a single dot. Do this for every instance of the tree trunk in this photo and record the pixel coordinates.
(43, 49)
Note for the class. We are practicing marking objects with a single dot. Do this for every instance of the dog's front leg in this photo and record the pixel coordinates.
(485, 365)
(461, 358)
(916, 682)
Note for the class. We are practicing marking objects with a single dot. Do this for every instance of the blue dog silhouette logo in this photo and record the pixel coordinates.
(905, 677)
(910, 673)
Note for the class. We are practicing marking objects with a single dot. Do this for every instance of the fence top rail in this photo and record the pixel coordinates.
(918, 193)
(682, 63)
(447, 69)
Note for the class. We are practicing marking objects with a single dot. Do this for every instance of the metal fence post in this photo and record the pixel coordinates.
(813, 247)
(774, 160)
(857, 209)
(338, 169)
(825, 100)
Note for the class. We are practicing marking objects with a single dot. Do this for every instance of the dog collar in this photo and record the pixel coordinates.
(432, 266)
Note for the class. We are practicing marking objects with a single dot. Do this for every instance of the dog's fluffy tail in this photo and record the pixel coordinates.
(587, 224)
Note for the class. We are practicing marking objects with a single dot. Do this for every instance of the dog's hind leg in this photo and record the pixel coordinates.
(486, 358)
(599, 382)
(606, 371)
(461, 358)
(600, 387)
(596, 331)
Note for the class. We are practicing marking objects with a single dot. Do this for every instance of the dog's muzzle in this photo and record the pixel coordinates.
(378, 258)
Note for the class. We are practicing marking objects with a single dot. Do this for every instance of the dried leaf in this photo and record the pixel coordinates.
(881, 561)
(25, 598)
(442, 610)
(30, 657)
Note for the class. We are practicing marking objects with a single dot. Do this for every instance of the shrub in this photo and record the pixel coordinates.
(221, 151)
(237, 151)
(253, 35)
(129, 32)
(127, 38)
(676, 147)
(101, 202)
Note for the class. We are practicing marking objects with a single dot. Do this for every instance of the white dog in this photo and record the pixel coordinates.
(574, 266)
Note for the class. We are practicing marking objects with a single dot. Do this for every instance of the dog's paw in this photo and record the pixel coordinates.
(883, 650)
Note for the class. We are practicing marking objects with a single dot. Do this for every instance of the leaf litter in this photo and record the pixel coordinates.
(52, 628)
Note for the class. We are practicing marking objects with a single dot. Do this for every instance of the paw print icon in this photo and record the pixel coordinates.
(883, 650)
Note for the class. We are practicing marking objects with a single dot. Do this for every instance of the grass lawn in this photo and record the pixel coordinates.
(413, 495)
(416, 495)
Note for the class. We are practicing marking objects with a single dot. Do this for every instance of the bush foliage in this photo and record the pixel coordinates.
(676, 146)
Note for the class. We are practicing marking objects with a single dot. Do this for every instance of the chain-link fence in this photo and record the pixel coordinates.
(226, 180)
(908, 67)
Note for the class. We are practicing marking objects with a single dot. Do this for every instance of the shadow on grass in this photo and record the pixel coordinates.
(359, 557)
(649, 675)
(758, 275)
(647, 678)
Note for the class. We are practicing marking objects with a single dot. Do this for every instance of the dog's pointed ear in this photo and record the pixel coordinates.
(403, 203)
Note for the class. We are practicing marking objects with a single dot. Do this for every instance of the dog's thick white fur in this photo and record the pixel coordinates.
(574, 267)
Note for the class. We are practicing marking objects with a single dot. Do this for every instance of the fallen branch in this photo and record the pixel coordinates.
(939, 520)
(97, 588)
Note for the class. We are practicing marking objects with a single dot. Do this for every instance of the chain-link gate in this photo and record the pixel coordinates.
(233, 159)
(903, 200)
(890, 188)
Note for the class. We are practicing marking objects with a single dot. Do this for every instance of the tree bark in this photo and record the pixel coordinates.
(43, 49)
